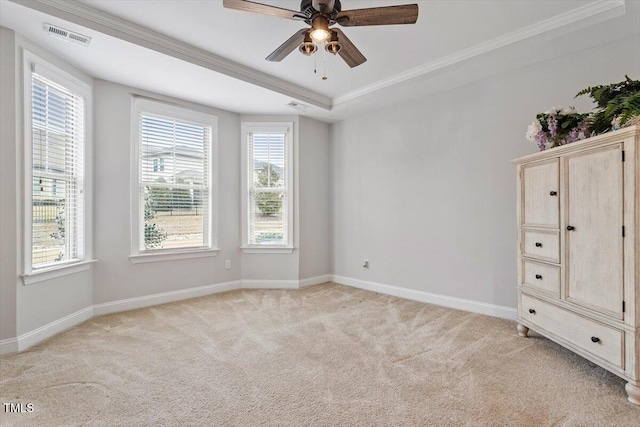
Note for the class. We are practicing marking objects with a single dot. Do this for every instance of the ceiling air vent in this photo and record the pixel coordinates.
(70, 36)
(297, 106)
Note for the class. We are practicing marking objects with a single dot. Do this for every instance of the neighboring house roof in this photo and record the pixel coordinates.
(179, 151)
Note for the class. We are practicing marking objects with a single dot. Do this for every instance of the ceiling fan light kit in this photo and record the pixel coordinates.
(308, 47)
(321, 15)
(333, 46)
(320, 29)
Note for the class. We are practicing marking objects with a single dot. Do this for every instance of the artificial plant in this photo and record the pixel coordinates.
(617, 103)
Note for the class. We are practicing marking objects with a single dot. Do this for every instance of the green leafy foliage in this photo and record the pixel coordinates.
(61, 225)
(614, 101)
(269, 203)
(166, 199)
(153, 235)
(269, 237)
(161, 198)
(181, 198)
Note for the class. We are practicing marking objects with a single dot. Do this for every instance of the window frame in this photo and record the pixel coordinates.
(256, 127)
(141, 105)
(32, 63)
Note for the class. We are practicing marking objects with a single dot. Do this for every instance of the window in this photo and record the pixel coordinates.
(158, 165)
(267, 170)
(56, 205)
(174, 190)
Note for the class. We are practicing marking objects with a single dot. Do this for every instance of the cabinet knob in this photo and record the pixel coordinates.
(538, 276)
(570, 228)
(538, 245)
(553, 193)
(532, 311)
(595, 339)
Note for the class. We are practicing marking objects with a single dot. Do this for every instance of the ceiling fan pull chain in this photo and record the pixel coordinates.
(324, 62)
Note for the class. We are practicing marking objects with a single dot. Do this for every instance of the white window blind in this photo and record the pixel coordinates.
(57, 173)
(268, 182)
(174, 183)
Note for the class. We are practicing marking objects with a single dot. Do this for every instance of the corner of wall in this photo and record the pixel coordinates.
(9, 259)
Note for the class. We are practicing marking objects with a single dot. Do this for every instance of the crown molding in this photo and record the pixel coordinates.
(105, 23)
(567, 19)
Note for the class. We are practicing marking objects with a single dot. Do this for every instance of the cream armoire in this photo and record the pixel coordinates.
(578, 268)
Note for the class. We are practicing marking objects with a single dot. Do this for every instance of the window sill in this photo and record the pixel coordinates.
(173, 255)
(268, 250)
(57, 271)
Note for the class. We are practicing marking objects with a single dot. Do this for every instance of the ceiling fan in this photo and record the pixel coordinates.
(321, 15)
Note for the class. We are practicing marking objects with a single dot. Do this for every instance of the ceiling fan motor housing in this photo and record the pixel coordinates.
(306, 8)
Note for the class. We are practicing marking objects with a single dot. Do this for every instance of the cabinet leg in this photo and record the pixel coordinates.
(522, 330)
(633, 393)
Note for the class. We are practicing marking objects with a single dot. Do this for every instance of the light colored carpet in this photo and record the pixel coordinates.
(325, 355)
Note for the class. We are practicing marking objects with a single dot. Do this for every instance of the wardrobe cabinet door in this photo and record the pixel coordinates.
(540, 194)
(594, 218)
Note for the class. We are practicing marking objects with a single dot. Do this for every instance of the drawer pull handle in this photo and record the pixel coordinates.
(538, 245)
(553, 193)
(570, 228)
(595, 339)
(539, 277)
(532, 311)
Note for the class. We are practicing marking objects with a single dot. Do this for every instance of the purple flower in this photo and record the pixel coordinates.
(573, 135)
(541, 139)
(553, 125)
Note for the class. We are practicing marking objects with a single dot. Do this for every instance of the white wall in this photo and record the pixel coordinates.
(8, 184)
(116, 278)
(41, 303)
(313, 194)
(425, 191)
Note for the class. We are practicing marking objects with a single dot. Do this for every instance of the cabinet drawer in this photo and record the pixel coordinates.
(543, 277)
(600, 340)
(542, 245)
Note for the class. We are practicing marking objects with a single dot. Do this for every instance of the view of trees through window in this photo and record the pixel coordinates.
(174, 179)
(268, 192)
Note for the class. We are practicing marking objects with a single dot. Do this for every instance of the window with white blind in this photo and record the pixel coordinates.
(56, 216)
(267, 170)
(174, 190)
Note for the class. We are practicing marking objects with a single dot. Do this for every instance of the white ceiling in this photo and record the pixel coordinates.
(443, 28)
(447, 33)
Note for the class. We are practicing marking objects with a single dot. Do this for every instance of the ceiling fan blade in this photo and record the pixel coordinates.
(324, 6)
(349, 52)
(287, 47)
(265, 9)
(389, 15)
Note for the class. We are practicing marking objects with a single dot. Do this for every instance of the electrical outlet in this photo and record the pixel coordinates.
(366, 264)
(227, 264)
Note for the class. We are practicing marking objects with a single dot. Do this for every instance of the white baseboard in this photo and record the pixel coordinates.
(311, 281)
(40, 334)
(269, 284)
(443, 300)
(9, 345)
(164, 297)
(12, 345)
